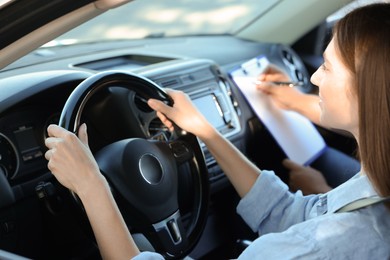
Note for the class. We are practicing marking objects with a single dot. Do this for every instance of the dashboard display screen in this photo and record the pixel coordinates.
(26, 139)
(27, 144)
(208, 107)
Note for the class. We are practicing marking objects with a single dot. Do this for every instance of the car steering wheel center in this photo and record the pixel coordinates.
(151, 169)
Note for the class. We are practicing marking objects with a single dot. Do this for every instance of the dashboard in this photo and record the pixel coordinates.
(32, 101)
(23, 127)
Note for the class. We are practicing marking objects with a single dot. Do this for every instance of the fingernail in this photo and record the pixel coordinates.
(151, 102)
(84, 125)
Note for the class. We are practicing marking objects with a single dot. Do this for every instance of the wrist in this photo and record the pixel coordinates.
(208, 132)
(93, 187)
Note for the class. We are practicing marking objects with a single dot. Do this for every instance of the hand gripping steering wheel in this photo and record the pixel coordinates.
(143, 173)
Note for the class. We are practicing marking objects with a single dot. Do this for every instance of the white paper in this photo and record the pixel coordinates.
(296, 135)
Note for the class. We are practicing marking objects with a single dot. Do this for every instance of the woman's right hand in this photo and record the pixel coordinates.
(273, 73)
(288, 98)
(183, 113)
(284, 97)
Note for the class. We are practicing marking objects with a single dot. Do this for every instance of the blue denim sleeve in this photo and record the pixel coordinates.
(148, 256)
(270, 207)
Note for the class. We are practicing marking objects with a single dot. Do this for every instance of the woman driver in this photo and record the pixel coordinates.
(354, 90)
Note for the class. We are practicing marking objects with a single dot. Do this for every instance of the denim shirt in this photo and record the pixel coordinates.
(293, 226)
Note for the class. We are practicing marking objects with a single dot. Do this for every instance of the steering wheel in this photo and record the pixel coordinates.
(143, 173)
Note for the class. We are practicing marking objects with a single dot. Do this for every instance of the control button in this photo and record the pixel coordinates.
(174, 230)
(180, 151)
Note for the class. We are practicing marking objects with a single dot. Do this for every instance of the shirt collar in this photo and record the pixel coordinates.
(358, 187)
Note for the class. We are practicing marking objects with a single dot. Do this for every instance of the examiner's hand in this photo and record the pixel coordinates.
(306, 179)
(70, 159)
(284, 97)
(183, 113)
(273, 73)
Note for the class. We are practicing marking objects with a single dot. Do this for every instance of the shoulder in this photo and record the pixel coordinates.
(353, 235)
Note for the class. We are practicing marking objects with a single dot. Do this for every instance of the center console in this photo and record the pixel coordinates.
(210, 92)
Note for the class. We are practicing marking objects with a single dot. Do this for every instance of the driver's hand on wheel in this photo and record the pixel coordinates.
(183, 113)
(70, 159)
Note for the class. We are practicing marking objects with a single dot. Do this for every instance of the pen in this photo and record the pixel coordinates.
(288, 83)
(283, 83)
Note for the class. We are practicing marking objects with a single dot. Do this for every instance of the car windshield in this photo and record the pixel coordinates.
(167, 18)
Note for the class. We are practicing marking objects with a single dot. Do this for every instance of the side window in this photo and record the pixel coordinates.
(312, 45)
(330, 21)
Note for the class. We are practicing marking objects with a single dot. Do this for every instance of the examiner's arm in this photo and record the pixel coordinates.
(289, 98)
(240, 171)
(292, 99)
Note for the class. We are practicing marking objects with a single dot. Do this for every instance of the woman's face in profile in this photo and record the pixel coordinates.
(338, 101)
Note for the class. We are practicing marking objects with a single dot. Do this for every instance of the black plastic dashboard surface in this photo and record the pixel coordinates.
(31, 101)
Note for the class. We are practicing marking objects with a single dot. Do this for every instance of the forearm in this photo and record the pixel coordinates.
(308, 106)
(111, 233)
(241, 172)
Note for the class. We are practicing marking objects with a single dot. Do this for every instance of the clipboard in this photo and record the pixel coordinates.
(295, 134)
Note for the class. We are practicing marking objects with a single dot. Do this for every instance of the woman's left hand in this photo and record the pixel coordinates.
(306, 179)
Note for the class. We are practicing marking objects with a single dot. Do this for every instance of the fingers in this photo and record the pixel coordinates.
(162, 109)
(49, 153)
(262, 77)
(50, 142)
(164, 112)
(158, 105)
(270, 74)
(55, 131)
(291, 165)
(265, 86)
(165, 121)
(82, 134)
(57, 135)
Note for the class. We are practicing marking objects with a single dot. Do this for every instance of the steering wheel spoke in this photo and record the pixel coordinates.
(171, 234)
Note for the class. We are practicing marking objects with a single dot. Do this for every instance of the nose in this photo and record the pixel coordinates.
(315, 79)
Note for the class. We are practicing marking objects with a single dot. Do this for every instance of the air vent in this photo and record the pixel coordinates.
(142, 104)
(297, 68)
(288, 57)
(169, 83)
(156, 128)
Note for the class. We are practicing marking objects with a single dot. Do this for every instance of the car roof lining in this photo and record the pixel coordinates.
(264, 29)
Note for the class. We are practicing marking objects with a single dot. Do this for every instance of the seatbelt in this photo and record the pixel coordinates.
(361, 203)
